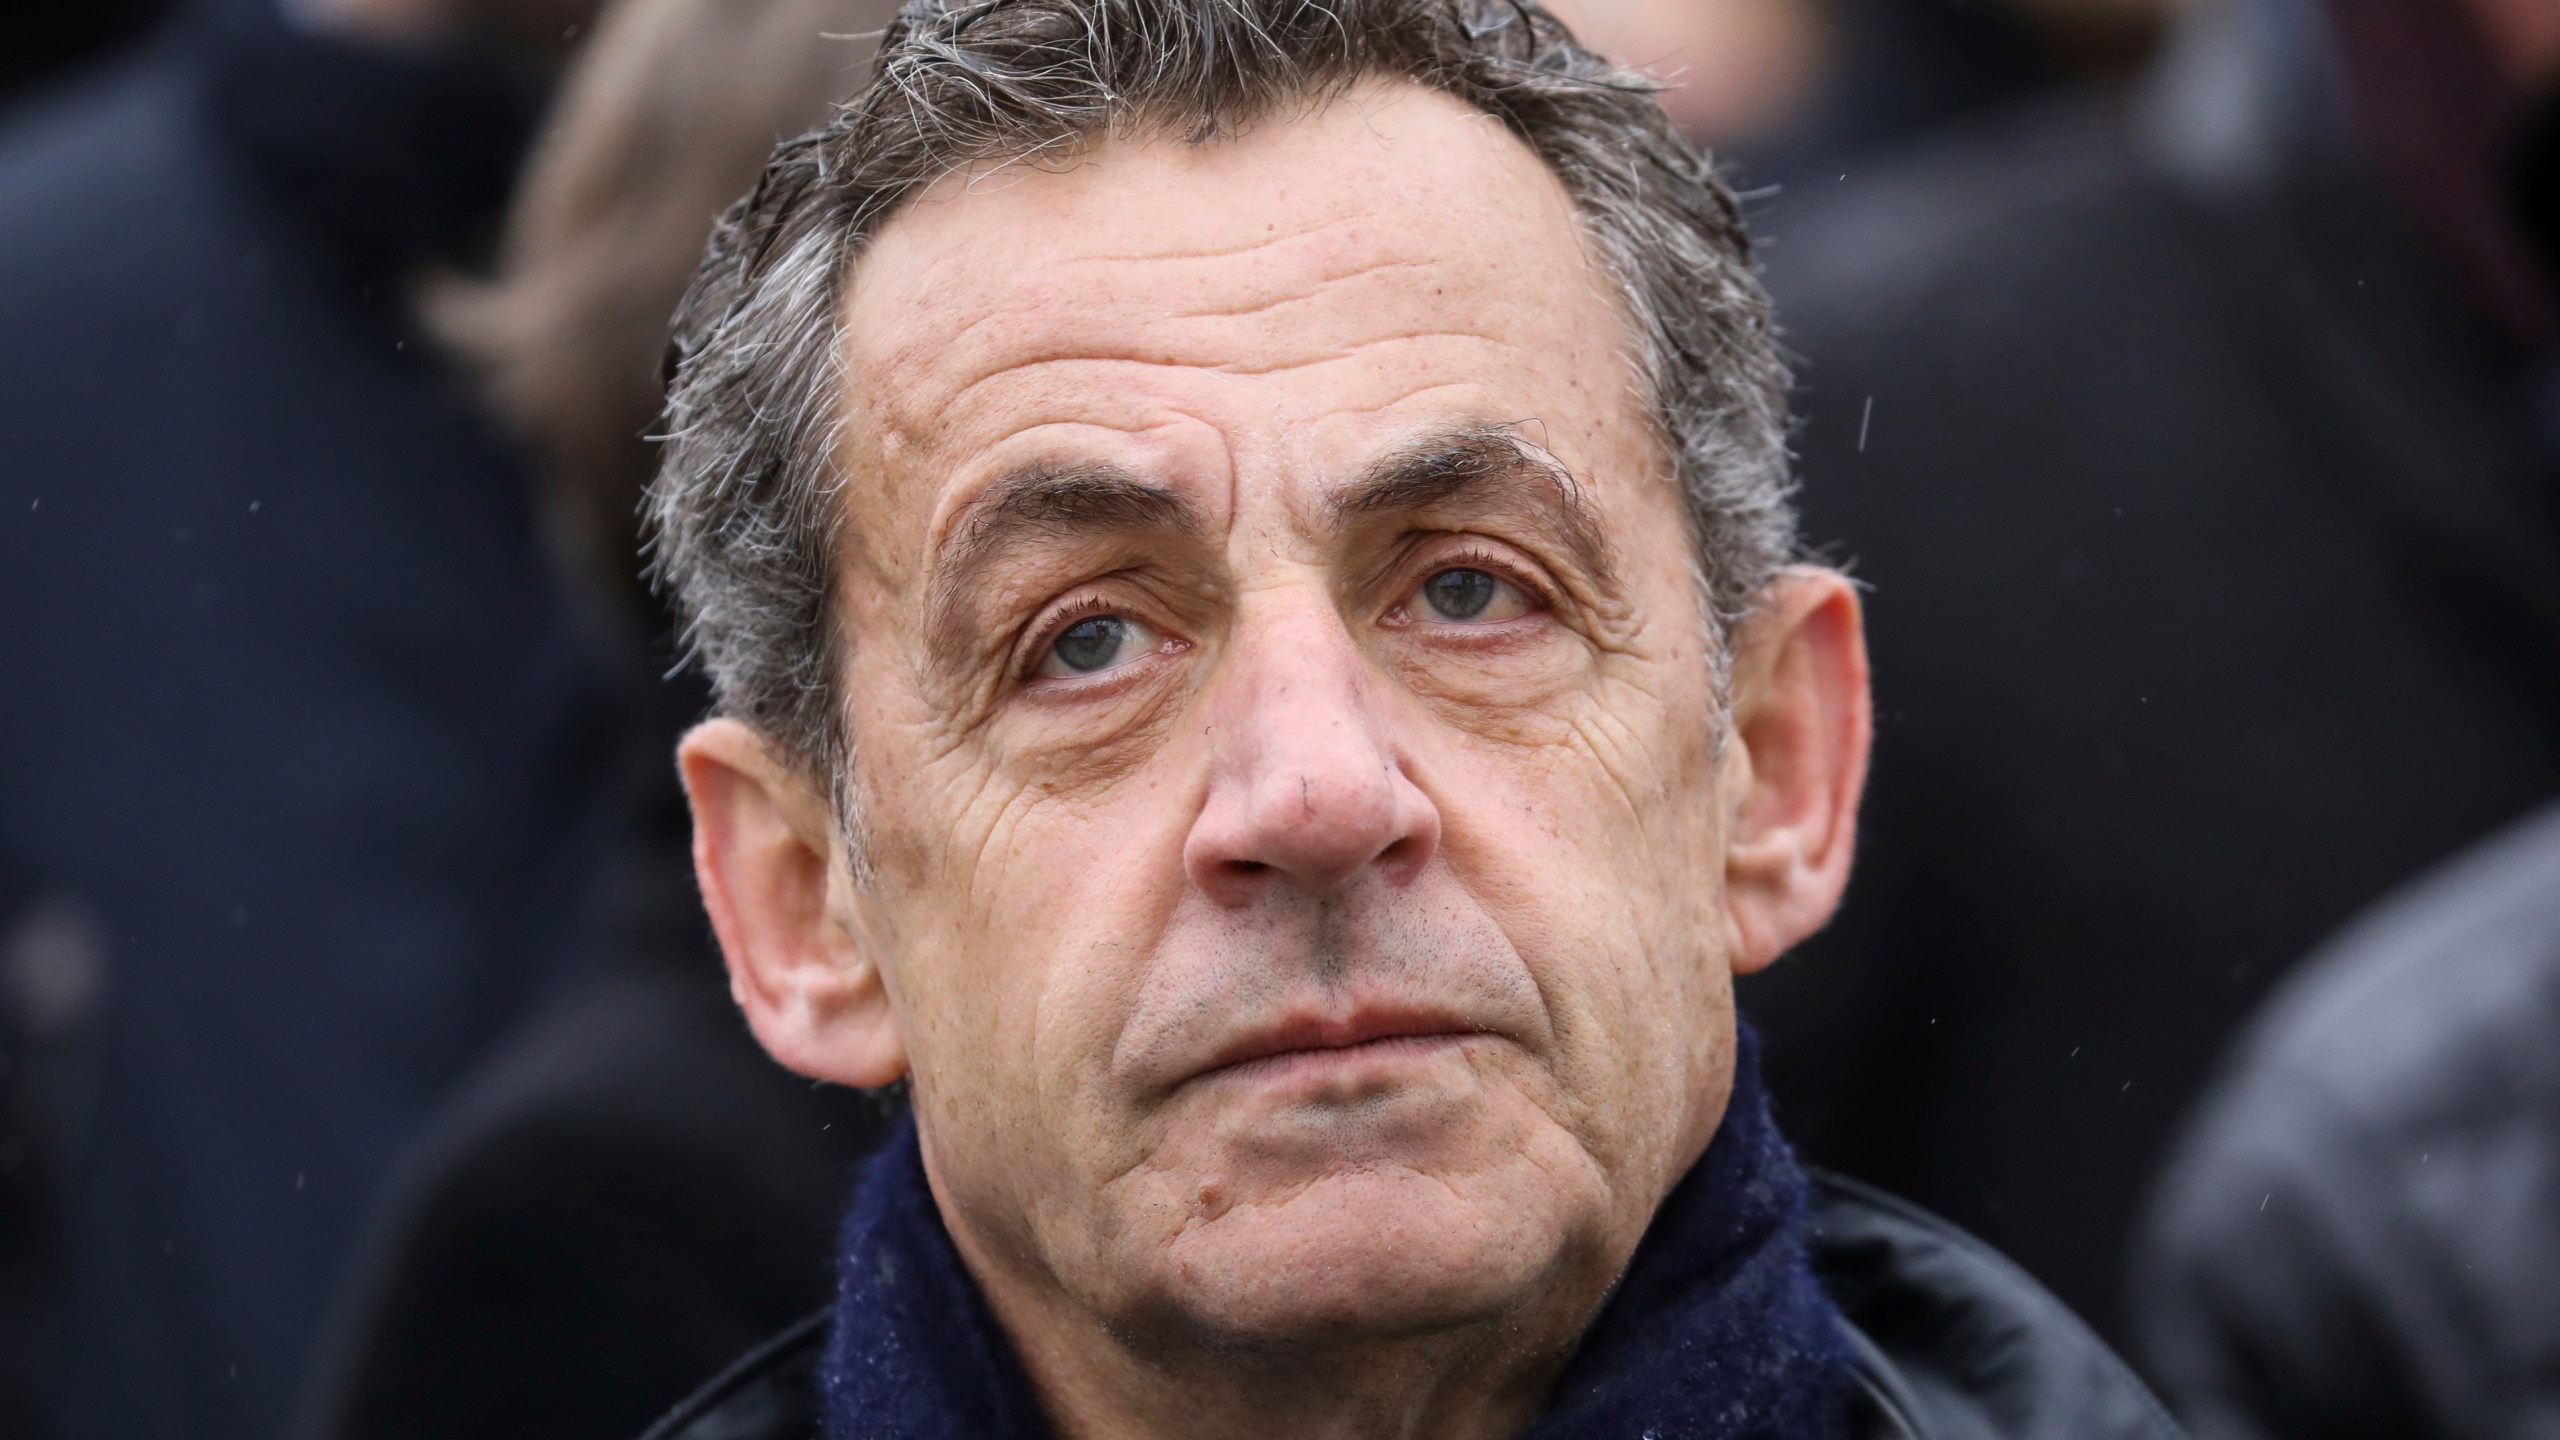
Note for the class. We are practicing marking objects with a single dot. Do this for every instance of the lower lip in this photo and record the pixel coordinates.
(1337, 1064)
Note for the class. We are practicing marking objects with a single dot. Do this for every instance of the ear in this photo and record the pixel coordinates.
(782, 900)
(1796, 763)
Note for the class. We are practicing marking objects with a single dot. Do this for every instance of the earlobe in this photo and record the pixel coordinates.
(1802, 727)
(766, 854)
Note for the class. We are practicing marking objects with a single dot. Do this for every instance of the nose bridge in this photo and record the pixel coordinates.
(1306, 782)
(1298, 736)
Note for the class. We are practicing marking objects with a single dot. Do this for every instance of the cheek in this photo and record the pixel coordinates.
(1020, 921)
(1597, 853)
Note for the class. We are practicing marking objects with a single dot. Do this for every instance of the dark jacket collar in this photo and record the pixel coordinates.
(1955, 1341)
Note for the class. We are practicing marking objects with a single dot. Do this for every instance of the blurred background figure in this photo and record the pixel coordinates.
(296, 742)
(631, 1194)
(1735, 71)
(2360, 1235)
(2200, 441)
(41, 43)
(1786, 88)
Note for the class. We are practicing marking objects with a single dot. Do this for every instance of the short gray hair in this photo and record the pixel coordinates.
(746, 514)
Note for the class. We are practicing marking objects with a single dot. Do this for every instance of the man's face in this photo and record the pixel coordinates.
(1284, 728)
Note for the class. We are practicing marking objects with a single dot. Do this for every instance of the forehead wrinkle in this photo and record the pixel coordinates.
(1365, 292)
(1121, 155)
(1239, 322)
(1316, 289)
(952, 282)
(1416, 393)
(1009, 308)
(1354, 351)
(1167, 360)
(1224, 252)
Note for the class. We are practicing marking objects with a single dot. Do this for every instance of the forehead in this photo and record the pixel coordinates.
(1279, 303)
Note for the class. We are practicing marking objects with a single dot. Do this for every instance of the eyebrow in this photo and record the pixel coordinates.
(1484, 466)
(1041, 501)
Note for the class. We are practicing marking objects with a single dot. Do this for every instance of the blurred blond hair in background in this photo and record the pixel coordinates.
(665, 119)
(630, 1194)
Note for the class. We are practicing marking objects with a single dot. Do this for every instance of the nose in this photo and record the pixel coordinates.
(1306, 786)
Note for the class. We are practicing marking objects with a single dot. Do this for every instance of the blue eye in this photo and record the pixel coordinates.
(1467, 596)
(1459, 594)
(1097, 643)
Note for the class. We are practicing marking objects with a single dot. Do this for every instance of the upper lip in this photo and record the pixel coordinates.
(1324, 1030)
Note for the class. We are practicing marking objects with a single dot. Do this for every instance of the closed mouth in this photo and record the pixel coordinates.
(1371, 1034)
(1385, 1048)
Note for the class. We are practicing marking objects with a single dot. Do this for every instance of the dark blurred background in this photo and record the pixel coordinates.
(45, 42)
(2178, 373)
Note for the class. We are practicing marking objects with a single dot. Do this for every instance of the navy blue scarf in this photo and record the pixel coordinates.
(1718, 1330)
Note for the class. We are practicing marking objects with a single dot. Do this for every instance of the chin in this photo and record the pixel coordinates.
(1375, 1251)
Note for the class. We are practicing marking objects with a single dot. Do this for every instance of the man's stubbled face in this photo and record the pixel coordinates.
(1285, 733)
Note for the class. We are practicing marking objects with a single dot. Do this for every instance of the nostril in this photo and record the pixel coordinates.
(1405, 857)
(1238, 882)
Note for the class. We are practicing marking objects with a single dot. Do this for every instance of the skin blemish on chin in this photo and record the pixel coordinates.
(1211, 1202)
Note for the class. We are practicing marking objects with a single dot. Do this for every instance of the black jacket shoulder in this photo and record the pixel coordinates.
(770, 1394)
(1954, 1343)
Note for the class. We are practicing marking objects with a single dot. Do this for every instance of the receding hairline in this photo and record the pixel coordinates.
(896, 225)
(1164, 123)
